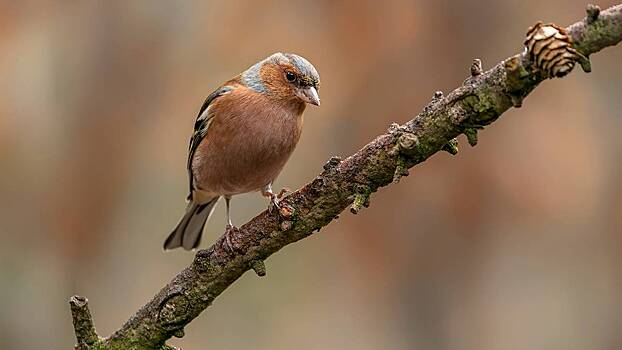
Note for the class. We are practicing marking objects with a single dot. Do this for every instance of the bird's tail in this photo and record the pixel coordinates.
(188, 232)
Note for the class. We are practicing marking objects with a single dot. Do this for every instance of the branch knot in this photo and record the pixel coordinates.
(173, 311)
(332, 163)
(361, 198)
(476, 67)
(471, 135)
(593, 11)
(259, 267)
(451, 147)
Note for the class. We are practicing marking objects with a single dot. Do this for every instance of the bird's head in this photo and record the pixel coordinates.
(285, 77)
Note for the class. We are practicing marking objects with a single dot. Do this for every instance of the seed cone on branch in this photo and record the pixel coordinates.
(550, 49)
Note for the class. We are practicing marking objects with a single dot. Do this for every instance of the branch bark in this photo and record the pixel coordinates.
(482, 98)
(82, 322)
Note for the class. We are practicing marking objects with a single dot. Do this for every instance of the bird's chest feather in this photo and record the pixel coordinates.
(246, 148)
(263, 140)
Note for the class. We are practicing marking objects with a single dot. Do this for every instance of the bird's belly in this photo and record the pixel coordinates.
(244, 162)
(238, 176)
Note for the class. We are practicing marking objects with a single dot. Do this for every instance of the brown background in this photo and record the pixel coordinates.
(514, 244)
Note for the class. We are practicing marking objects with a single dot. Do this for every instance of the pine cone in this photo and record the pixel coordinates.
(550, 49)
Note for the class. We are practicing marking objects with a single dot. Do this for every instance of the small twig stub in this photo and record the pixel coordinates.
(476, 67)
(82, 321)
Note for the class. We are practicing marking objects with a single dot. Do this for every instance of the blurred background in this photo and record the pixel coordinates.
(513, 244)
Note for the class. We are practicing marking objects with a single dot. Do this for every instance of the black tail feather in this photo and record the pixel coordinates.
(187, 233)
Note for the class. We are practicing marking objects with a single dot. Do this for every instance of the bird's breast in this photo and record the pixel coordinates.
(245, 148)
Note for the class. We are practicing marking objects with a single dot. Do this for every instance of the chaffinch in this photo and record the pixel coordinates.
(243, 136)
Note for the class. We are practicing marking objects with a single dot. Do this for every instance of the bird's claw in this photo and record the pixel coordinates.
(275, 203)
(275, 200)
(228, 243)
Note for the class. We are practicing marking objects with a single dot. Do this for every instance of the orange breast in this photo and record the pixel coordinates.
(247, 144)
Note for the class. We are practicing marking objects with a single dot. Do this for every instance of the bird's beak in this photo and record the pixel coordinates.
(309, 95)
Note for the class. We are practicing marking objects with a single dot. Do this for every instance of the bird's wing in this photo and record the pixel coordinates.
(201, 125)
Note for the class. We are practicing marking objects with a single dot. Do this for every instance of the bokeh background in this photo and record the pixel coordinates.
(513, 244)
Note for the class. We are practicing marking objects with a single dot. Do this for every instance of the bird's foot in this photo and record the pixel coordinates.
(230, 229)
(275, 203)
(275, 200)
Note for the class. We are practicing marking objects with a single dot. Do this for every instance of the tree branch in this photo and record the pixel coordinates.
(82, 322)
(482, 98)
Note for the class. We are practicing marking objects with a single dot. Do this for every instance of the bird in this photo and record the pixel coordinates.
(243, 135)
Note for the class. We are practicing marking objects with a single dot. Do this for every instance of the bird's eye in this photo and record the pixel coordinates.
(291, 77)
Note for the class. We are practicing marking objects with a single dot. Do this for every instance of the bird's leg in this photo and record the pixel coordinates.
(227, 201)
(230, 228)
(274, 199)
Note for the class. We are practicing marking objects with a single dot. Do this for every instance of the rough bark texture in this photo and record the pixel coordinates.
(82, 322)
(482, 98)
